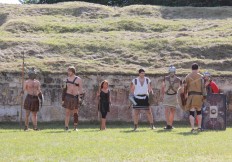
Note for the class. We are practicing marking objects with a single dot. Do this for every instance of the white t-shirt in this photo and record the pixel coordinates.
(139, 89)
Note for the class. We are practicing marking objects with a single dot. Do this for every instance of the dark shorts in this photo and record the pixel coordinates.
(71, 102)
(31, 103)
(141, 103)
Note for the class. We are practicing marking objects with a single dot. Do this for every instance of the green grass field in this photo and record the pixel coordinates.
(117, 143)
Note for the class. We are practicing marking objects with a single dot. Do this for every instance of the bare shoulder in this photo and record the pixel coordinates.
(37, 81)
(26, 81)
(79, 78)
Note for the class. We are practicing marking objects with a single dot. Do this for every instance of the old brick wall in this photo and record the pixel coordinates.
(10, 87)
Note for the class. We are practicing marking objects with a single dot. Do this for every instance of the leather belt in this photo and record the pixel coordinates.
(194, 93)
(171, 94)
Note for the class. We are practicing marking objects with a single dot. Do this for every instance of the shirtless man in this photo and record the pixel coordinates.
(70, 98)
(31, 103)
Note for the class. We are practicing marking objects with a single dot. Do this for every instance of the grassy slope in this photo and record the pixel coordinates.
(118, 143)
(115, 40)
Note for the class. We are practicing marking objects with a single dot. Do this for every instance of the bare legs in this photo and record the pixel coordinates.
(68, 113)
(75, 118)
(149, 117)
(34, 120)
(169, 115)
(27, 119)
(103, 123)
(136, 117)
(192, 119)
(67, 117)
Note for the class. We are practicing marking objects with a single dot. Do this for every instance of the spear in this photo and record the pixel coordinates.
(21, 110)
(98, 105)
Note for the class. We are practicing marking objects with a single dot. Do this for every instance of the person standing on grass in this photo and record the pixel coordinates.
(140, 89)
(31, 104)
(211, 86)
(195, 92)
(169, 89)
(70, 97)
(104, 102)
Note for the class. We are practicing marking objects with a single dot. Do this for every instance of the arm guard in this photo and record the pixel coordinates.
(131, 98)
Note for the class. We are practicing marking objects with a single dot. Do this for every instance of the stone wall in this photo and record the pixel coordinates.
(10, 87)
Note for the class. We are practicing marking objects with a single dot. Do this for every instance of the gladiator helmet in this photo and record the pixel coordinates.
(32, 73)
(206, 74)
(172, 69)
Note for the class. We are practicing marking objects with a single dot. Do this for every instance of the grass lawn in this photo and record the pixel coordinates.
(117, 143)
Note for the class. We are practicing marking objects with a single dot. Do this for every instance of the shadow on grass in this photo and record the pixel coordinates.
(93, 126)
(132, 131)
(189, 133)
(56, 131)
(164, 131)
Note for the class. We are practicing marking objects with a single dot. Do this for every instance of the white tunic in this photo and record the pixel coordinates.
(139, 89)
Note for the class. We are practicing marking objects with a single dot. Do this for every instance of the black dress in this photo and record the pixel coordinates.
(104, 103)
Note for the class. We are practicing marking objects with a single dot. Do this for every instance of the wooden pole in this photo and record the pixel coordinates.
(21, 110)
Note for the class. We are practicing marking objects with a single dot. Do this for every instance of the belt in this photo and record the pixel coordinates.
(70, 95)
(171, 94)
(194, 93)
(141, 95)
(32, 96)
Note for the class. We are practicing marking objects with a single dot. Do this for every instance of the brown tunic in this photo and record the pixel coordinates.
(31, 103)
(171, 87)
(195, 89)
(71, 102)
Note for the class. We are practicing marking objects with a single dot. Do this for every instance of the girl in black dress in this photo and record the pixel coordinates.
(104, 102)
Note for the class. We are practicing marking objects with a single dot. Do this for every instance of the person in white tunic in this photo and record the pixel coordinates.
(140, 89)
(169, 90)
